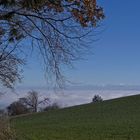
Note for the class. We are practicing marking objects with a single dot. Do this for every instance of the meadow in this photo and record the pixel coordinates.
(117, 119)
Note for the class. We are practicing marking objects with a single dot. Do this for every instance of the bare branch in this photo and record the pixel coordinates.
(58, 29)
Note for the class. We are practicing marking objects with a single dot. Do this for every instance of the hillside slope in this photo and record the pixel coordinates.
(113, 119)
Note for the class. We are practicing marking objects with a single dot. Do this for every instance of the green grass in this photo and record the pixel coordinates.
(117, 119)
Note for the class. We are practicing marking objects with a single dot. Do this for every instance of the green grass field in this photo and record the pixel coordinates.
(117, 119)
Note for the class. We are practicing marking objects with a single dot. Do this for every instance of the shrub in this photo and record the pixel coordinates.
(17, 108)
(6, 133)
(53, 106)
(2, 112)
(97, 98)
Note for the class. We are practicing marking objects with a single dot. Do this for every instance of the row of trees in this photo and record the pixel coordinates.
(30, 104)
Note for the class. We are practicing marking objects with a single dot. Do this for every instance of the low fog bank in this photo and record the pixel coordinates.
(67, 98)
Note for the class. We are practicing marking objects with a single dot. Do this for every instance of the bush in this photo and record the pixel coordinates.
(97, 98)
(53, 106)
(17, 108)
(6, 133)
(2, 112)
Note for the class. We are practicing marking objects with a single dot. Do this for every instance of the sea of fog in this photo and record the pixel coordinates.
(67, 97)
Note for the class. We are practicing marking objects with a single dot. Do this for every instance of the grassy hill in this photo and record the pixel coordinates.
(117, 119)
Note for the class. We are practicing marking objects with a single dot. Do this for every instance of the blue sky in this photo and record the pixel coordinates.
(116, 60)
(116, 53)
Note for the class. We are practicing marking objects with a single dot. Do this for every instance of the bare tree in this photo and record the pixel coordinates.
(57, 28)
(32, 101)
